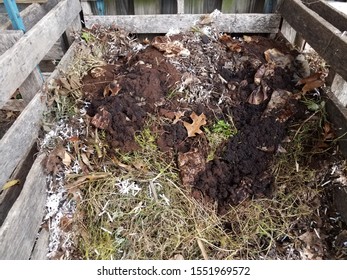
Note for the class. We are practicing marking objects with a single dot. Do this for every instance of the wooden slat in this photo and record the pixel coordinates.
(14, 105)
(233, 23)
(330, 14)
(20, 137)
(41, 247)
(8, 38)
(30, 15)
(22, 58)
(19, 230)
(320, 34)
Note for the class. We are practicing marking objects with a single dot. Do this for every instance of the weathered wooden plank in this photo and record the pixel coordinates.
(34, 81)
(180, 6)
(31, 85)
(339, 87)
(320, 34)
(9, 196)
(20, 137)
(329, 13)
(8, 38)
(233, 23)
(30, 15)
(337, 114)
(19, 230)
(19, 61)
(72, 29)
(14, 105)
(41, 247)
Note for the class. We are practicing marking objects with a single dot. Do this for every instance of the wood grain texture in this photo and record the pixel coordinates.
(233, 23)
(19, 230)
(319, 33)
(19, 61)
(15, 144)
(14, 105)
(31, 85)
(30, 15)
(8, 38)
(329, 13)
(41, 247)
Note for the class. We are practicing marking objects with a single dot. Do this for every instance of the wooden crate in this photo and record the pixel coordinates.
(19, 230)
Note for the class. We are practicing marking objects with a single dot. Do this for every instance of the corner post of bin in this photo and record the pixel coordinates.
(180, 6)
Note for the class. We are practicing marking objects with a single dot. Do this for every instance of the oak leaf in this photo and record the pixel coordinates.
(178, 116)
(194, 128)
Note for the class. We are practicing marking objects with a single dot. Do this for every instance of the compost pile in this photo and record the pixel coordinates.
(217, 109)
(192, 81)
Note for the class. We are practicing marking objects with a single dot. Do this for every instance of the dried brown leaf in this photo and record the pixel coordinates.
(178, 116)
(277, 58)
(97, 72)
(194, 128)
(102, 119)
(112, 89)
(257, 96)
(247, 39)
(312, 85)
(309, 79)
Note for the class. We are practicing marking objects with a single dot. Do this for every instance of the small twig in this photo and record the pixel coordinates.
(202, 249)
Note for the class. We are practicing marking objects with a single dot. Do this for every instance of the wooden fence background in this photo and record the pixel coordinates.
(139, 7)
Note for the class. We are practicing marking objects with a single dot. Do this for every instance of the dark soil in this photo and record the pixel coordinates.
(146, 82)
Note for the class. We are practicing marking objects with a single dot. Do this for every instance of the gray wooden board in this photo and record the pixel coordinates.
(23, 133)
(233, 23)
(320, 34)
(30, 15)
(14, 105)
(41, 247)
(19, 230)
(19, 61)
(8, 38)
(330, 14)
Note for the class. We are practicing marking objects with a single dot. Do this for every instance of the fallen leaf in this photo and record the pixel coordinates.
(112, 89)
(312, 85)
(328, 133)
(277, 58)
(102, 119)
(194, 128)
(309, 79)
(259, 74)
(247, 39)
(86, 161)
(169, 47)
(97, 72)
(257, 96)
(9, 114)
(190, 164)
(178, 116)
(66, 159)
(10, 184)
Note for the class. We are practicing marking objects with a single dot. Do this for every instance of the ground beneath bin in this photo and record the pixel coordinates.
(240, 82)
